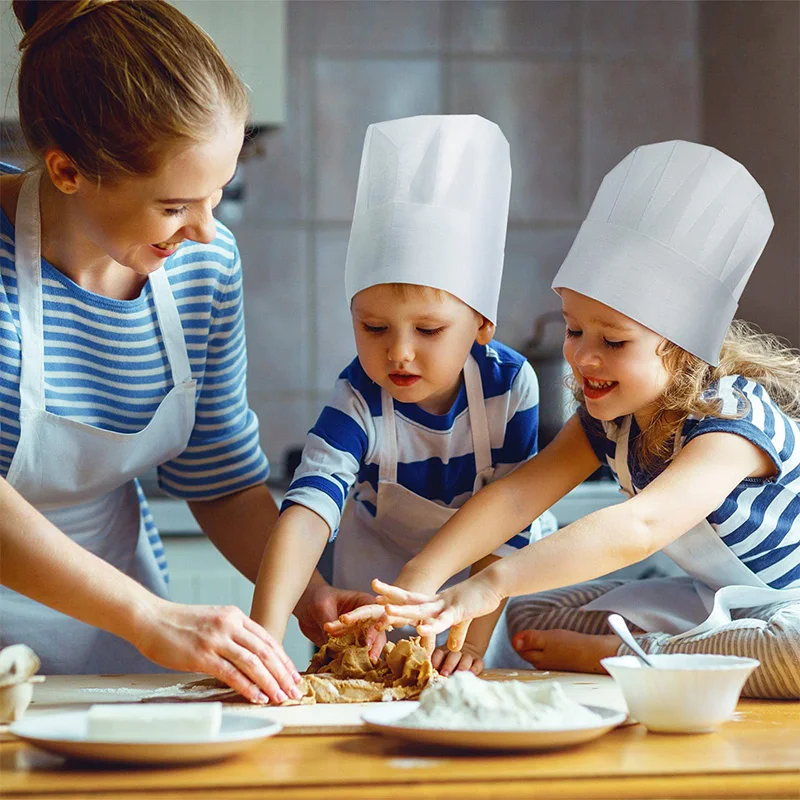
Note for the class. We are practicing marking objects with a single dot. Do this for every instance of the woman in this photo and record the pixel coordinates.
(122, 348)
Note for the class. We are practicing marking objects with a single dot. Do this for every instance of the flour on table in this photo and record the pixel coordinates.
(465, 702)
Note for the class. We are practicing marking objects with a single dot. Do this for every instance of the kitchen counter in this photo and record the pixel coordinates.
(757, 754)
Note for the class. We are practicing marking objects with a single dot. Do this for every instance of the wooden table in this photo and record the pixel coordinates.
(756, 755)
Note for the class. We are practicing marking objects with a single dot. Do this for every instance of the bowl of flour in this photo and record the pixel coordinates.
(467, 712)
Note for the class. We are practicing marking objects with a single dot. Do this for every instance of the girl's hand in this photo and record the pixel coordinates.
(454, 608)
(221, 641)
(467, 660)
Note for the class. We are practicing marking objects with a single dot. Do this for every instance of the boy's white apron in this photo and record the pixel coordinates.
(369, 547)
(717, 580)
(81, 477)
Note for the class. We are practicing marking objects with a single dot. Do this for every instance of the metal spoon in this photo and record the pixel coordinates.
(619, 627)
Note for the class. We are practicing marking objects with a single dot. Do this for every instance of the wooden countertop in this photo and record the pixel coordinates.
(755, 755)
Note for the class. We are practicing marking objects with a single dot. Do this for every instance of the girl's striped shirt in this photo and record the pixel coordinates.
(760, 519)
(106, 366)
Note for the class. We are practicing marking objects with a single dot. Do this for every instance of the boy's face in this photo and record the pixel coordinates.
(413, 342)
(614, 359)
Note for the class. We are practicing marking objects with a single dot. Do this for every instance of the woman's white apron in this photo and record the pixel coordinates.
(82, 477)
(716, 582)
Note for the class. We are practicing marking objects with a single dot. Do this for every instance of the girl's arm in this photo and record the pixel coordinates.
(503, 508)
(696, 483)
(491, 517)
(39, 561)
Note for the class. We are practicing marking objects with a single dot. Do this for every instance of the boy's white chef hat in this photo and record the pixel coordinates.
(431, 208)
(670, 241)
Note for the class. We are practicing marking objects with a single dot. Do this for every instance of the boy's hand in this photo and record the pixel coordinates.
(468, 659)
(320, 607)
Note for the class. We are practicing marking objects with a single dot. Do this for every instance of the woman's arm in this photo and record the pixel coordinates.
(696, 483)
(39, 561)
(239, 525)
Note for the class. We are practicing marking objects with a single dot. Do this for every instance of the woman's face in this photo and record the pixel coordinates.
(614, 359)
(141, 221)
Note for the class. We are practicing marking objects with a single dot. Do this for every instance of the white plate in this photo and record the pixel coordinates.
(64, 733)
(389, 721)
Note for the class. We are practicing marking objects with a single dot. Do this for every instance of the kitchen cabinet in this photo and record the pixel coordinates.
(250, 33)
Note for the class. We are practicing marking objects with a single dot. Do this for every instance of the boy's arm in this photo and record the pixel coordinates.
(288, 564)
(502, 509)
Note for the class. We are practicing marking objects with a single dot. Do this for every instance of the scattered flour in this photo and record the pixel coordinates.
(465, 702)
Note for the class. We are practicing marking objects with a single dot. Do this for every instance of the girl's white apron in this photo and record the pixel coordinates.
(717, 580)
(81, 477)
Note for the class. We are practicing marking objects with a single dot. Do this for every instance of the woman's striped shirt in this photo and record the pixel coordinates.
(106, 366)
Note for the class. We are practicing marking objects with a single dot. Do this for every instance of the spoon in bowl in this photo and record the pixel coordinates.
(619, 627)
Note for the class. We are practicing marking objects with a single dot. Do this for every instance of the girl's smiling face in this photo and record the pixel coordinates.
(614, 359)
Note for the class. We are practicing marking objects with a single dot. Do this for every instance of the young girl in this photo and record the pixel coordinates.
(697, 418)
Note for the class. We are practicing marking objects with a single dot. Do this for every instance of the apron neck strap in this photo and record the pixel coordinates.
(621, 456)
(171, 329)
(28, 267)
(387, 468)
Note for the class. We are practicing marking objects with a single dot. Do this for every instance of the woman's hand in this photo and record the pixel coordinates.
(320, 607)
(221, 641)
(468, 659)
(454, 608)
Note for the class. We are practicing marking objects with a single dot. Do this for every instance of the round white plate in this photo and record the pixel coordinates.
(64, 733)
(389, 721)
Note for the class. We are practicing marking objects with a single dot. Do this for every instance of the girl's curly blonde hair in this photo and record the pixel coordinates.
(746, 351)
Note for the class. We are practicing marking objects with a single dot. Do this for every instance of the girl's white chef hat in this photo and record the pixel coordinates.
(431, 208)
(670, 241)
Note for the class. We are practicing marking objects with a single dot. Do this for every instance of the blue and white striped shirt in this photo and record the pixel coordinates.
(106, 366)
(435, 452)
(760, 519)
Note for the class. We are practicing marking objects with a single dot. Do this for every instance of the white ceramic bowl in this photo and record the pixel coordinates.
(684, 693)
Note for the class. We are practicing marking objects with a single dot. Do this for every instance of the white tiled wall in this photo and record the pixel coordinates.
(573, 85)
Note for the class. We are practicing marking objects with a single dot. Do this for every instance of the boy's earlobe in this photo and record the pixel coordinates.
(486, 332)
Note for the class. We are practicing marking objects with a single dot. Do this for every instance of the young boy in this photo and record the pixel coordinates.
(430, 411)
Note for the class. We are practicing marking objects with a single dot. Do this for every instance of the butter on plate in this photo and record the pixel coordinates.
(166, 722)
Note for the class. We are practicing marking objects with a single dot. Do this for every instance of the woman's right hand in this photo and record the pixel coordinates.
(221, 641)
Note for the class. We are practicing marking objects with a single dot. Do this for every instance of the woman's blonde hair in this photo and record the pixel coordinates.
(746, 351)
(112, 83)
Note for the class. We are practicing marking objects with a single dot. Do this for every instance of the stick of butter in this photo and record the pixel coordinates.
(157, 722)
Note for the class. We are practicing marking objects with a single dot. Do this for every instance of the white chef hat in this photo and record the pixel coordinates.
(670, 241)
(431, 208)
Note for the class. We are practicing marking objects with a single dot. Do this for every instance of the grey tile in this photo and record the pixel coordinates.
(284, 419)
(376, 27)
(349, 96)
(537, 107)
(654, 29)
(300, 28)
(532, 260)
(276, 308)
(278, 178)
(498, 27)
(335, 343)
(624, 107)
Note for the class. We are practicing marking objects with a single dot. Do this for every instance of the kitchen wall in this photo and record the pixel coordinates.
(574, 86)
(751, 110)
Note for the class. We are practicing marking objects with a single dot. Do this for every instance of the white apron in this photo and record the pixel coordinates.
(370, 547)
(717, 580)
(82, 477)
